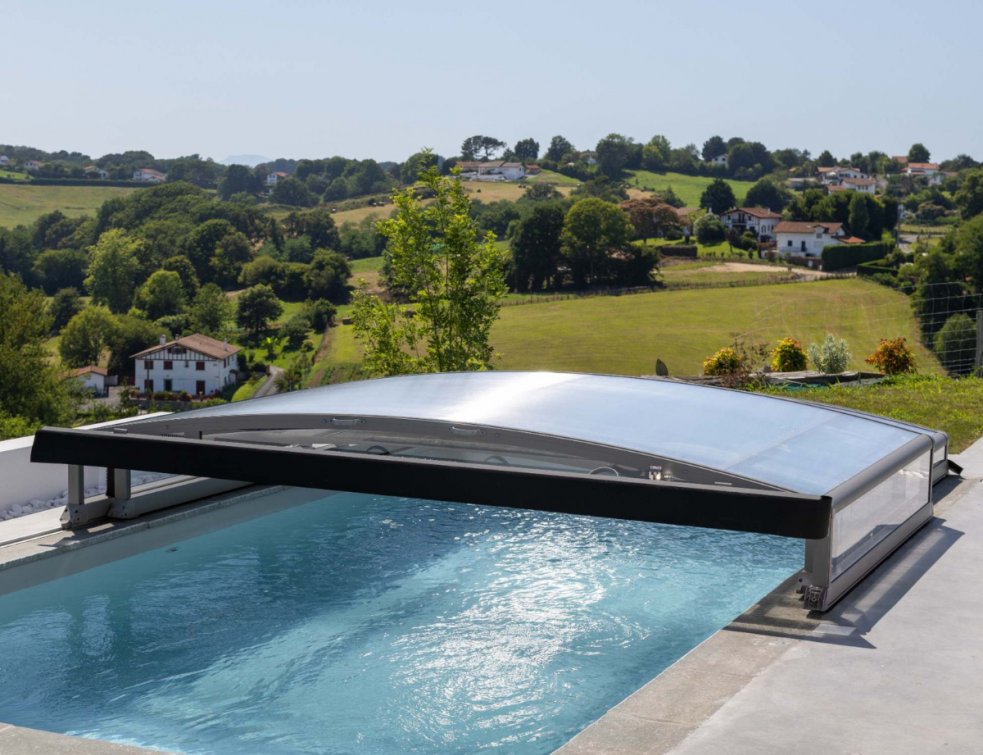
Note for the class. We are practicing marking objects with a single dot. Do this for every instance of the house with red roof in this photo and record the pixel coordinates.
(276, 176)
(93, 378)
(808, 239)
(759, 220)
(149, 176)
(97, 171)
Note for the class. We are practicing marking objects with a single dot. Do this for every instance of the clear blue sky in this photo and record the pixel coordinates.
(292, 78)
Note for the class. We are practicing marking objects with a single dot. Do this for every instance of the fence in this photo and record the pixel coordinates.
(941, 344)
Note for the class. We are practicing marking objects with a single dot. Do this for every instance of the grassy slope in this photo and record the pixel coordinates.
(14, 176)
(21, 205)
(625, 335)
(955, 406)
(687, 188)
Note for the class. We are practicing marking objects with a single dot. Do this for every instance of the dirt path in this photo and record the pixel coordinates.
(748, 267)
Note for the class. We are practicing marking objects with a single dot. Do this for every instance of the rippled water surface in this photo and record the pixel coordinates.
(374, 625)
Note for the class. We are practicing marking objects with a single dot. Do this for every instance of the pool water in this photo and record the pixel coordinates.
(358, 624)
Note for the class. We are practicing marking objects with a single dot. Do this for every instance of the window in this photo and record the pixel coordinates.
(168, 385)
(148, 364)
(148, 386)
(790, 243)
(168, 365)
(803, 246)
(200, 366)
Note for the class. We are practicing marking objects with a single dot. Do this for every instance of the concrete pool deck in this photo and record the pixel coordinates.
(893, 669)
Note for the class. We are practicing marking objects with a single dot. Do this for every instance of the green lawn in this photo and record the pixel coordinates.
(713, 251)
(23, 204)
(955, 406)
(687, 188)
(549, 177)
(366, 265)
(247, 389)
(14, 176)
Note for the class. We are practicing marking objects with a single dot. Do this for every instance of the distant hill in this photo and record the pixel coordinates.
(251, 160)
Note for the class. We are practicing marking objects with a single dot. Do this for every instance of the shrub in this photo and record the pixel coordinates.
(725, 362)
(710, 230)
(830, 357)
(955, 343)
(838, 256)
(788, 356)
(679, 250)
(893, 357)
(320, 312)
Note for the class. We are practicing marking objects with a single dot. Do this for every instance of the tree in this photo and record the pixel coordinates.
(718, 197)
(201, 243)
(211, 310)
(536, 248)
(657, 153)
(766, 193)
(601, 187)
(710, 230)
(162, 295)
(290, 191)
(30, 389)
(255, 307)
(559, 146)
(319, 227)
(238, 179)
(713, 147)
(918, 153)
(320, 313)
(328, 276)
(113, 267)
(481, 146)
(594, 231)
(968, 245)
(231, 253)
(955, 343)
(454, 280)
(415, 165)
(540, 193)
(86, 336)
(613, 153)
(650, 217)
(826, 159)
(969, 197)
(182, 266)
(752, 157)
(60, 268)
(527, 150)
(130, 336)
(859, 217)
(63, 307)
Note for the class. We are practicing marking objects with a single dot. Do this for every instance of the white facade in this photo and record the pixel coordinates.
(92, 378)
(32, 165)
(922, 169)
(271, 180)
(864, 185)
(720, 160)
(97, 171)
(800, 239)
(495, 170)
(4, 161)
(196, 365)
(149, 175)
(760, 221)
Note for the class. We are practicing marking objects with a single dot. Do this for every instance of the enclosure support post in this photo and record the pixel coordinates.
(118, 484)
(978, 363)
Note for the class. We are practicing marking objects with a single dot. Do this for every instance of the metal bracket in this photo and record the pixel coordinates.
(815, 597)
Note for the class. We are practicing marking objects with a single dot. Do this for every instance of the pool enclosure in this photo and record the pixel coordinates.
(854, 486)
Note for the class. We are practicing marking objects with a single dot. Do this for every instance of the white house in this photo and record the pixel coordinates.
(807, 239)
(759, 220)
(865, 185)
(4, 161)
(149, 175)
(95, 169)
(32, 165)
(719, 160)
(493, 170)
(92, 377)
(836, 175)
(924, 170)
(195, 364)
(271, 180)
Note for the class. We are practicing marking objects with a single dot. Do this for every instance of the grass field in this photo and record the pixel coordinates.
(549, 177)
(14, 176)
(22, 205)
(687, 188)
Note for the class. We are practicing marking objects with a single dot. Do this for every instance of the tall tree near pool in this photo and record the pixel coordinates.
(718, 197)
(455, 281)
(113, 268)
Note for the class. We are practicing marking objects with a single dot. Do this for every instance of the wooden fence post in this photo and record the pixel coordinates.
(978, 364)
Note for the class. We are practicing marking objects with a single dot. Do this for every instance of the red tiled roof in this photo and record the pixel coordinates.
(94, 369)
(759, 212)
(924, 166)
(859, 181)
(204, 344)
(796, 226)
(903, 159)
(850, 240)
(281, 174)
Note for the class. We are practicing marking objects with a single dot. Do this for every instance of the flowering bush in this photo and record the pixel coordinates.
(724, 362)
(830, 357)
(788, 356)
(893, 357)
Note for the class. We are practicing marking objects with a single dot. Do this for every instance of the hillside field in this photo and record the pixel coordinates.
(23, 204)
(687, 188)
(626, 334)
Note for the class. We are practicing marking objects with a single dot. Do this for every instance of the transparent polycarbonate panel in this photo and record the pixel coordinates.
(873, 516)
(795, 446)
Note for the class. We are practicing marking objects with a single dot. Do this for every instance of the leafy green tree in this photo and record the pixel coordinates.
(968, 245)
(328, 276)
(969, 197)
(414, 166)
(182, 266)
(559, 146)
(718, 197)
(536, 248)
(481, 146)
(63, 307)
(231, 253)
(130, 336)
(601, 187)
(60, 268)
(256, 307)
(613, 153)
(859, 217)
(540, 193)
(766, 193)
(238, 179)
(161, 295)
(940, 290)
(295, 330)
(593, 232)
(202, 242)
(86, 336)
(657, 153)
(113, 267)
(527, 150)
(710, 230)
(290, 191)
(318, 226)
(713, 147)
(292, 378)
(320, 313)
(752, 157)
(826, 159)
(454, 281)
(211, 310)
(955, 343)
(918, 153)
(30, 391)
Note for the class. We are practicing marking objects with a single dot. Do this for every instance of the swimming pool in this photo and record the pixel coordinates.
(374, 625)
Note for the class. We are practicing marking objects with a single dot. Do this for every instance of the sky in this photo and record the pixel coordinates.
(297, 78)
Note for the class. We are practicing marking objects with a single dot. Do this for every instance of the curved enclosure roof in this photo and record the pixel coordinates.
(794, 446)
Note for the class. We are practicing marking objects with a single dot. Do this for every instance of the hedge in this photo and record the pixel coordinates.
(678, 250)
(877, 267)
(77, 182)
(850, 255)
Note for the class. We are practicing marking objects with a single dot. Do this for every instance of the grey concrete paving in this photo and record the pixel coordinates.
(15, 740)
(268, 388)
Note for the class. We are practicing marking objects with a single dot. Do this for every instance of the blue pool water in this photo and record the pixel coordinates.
(374, 625)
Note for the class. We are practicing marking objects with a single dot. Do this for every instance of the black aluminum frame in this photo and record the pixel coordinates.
(711, 506)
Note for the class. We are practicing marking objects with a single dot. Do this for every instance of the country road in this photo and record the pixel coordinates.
(268, 388)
